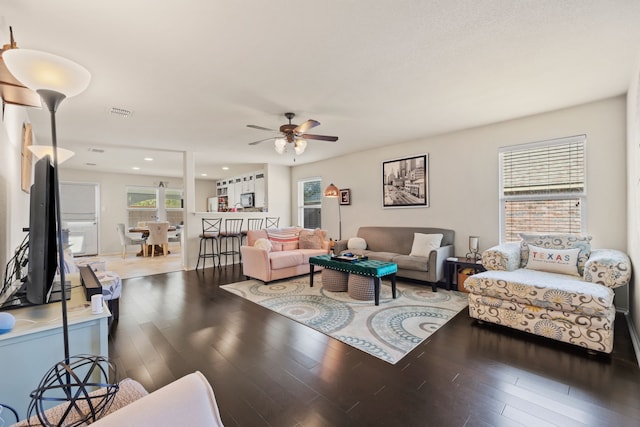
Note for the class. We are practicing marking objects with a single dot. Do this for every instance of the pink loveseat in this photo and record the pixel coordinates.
(278, 253)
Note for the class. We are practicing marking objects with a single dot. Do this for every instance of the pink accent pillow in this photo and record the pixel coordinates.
(286, 238)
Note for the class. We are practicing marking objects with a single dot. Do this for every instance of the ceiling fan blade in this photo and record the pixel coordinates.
(319, 137)
(262, 140)
(306, 126)
(260, 128)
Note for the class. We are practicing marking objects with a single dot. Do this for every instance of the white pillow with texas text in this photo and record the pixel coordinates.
(564, 261)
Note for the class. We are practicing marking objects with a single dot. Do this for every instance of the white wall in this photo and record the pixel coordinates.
(14, 214)
(633, 195)
(279, 198)
(204, 189)
(463, 177)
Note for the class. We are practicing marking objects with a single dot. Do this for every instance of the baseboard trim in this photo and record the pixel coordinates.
(635, 339)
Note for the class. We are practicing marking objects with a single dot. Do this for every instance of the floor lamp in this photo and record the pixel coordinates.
(332, 192)
(55, 78)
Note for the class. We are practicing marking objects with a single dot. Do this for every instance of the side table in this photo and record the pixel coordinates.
(455, 264)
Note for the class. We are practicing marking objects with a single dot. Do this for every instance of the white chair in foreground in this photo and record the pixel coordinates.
(158, 235)
(128, 239)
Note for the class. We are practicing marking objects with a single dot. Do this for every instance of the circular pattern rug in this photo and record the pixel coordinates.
(388, 331)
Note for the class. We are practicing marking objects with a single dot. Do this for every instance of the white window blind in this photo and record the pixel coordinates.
(543, 187)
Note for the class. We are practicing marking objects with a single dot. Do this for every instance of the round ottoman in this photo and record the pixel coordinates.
(334, 281)
(361, 287)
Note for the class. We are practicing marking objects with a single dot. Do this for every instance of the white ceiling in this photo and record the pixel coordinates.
(196, 72)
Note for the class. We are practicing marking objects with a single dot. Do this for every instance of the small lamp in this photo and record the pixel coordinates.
(332, 192)
(473, 248)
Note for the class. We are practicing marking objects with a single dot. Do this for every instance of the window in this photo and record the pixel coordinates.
(309, 202)
(543, 187)
(144, 204)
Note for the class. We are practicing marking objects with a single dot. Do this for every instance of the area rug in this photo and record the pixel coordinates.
(388, 331)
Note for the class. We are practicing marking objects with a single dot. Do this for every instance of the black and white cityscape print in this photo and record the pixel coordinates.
(405, 182)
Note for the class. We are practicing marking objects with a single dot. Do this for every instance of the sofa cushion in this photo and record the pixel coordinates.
(311, 239)
(408, 262)
(308, 253)
(382, 256)
(423, 244)
(263, 244)
(541, 289)
(356, 243)
(285, 239)
(253, 235)
(556, 241)
(563, 261)
(284, 259)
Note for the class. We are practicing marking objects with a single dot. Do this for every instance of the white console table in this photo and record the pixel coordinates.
(36, 344)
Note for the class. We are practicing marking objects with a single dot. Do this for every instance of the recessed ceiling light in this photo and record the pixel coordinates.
(148, 159)
(203, 174)
(135, 168)
(225, 168)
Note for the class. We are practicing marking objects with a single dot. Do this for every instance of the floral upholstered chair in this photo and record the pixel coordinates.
(552, 285)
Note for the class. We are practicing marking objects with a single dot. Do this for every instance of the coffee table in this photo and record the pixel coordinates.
(370, 268)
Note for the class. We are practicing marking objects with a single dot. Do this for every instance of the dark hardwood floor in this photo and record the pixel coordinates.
(267, 370)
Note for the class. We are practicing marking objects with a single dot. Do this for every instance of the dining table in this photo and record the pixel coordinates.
(145, 233)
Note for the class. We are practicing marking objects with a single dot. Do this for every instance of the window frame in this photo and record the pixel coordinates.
(542, 196)
(301, 206)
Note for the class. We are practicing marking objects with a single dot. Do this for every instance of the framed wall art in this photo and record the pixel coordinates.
(345, 196)
(405, 182)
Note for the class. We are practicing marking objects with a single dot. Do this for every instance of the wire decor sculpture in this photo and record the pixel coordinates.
(76, 383)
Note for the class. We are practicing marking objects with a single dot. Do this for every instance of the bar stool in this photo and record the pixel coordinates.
(252, 224)
(210, 233)
(272, 222)
(232, 231)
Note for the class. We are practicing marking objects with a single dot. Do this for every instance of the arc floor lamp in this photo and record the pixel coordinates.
(332, 192)
(55, 78)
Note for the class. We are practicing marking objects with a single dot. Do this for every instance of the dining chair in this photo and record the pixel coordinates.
(175, 236)
(128, 239)
(272, 222)
(232, 231)
(252, 224)
(211, 234)
(158, 236)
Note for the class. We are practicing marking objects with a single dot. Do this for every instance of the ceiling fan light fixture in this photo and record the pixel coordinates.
(299, 146)
(280, 145)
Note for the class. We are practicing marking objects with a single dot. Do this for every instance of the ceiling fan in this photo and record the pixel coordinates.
(295, 134)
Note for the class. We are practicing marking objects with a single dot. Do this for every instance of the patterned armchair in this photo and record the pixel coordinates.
(553, 286)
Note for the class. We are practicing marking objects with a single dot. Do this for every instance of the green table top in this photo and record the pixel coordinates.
(371, 267)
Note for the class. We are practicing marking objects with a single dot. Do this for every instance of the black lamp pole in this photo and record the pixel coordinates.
(52, 99)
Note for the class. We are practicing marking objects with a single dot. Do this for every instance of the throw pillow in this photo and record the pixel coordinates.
(356, 243)
(564, 261)
(285, 238)
(423, 244)
(310, 239)
(556, 241)
(263, 244)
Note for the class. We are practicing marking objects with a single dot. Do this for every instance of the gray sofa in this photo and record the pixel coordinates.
(393, 244)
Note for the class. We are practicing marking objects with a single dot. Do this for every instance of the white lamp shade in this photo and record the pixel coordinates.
(43, 150)
(299, 146)
(41, 70)
(281, 145)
